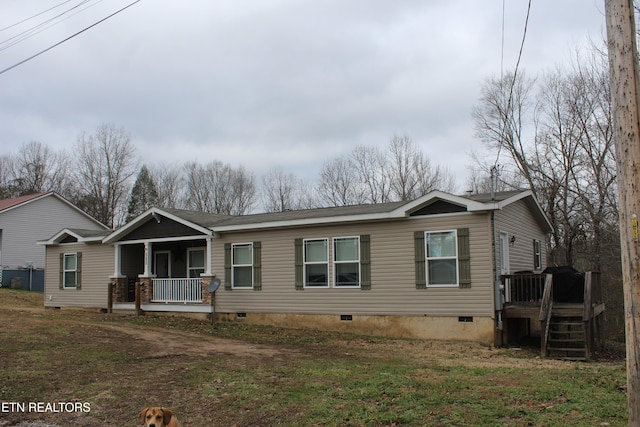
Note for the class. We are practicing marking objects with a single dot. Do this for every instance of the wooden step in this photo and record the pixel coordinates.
(567, 339)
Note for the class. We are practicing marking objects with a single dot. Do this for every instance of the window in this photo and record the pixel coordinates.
(316, 263)
(242, 265)
(442, 258)
(346, 261)
(537, 255)
(195, 262)
(70, 271)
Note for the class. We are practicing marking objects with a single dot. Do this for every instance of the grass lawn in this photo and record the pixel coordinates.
(243, 375)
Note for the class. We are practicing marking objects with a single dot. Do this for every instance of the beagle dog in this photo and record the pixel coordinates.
(158, 417)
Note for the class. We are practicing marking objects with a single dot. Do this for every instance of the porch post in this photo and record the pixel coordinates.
(207, 264)
(118, 263)
(148, 261)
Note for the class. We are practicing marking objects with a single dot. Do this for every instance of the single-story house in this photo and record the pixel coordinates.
(28, 219)
(428, 268)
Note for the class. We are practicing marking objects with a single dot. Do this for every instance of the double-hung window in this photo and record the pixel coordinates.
(316, 263)
(195, 262)
(242, 265)
(537, 255)
(442, 258)
(346, 261)
(70, 271)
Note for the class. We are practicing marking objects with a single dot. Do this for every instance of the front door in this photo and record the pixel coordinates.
(162, 264)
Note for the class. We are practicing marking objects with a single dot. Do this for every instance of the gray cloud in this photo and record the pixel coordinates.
(285, 83)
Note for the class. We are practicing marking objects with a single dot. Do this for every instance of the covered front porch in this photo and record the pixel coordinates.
(162, 264)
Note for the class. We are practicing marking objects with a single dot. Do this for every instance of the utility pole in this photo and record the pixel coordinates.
(623, 68)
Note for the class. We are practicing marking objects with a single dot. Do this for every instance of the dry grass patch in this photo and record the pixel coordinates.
(244, 375)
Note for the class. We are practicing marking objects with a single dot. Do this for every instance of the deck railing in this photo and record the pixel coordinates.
(523, 288)
(177, 290)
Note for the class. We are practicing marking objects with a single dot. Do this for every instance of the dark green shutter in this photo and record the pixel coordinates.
(257, 267)
(365, 262)
(464, 258)
(79, 270)
(61, 284)
(421, 273)
(298, 265)
(227, 267)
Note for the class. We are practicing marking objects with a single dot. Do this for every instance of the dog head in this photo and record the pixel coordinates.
(155, 417)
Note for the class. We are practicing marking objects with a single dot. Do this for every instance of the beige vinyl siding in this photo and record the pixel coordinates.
(97, 266)
(516, 220)
(393, 288)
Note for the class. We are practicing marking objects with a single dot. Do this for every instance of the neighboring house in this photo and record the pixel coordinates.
(428, 268)
(28, 219)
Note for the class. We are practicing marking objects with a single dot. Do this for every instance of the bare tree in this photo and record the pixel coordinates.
(169, 185)
(370, 164)
(412, 174)
(6, 181)
(36, 168)
(282, 192)
(339, 184)
(559, 143)
(105, 164)
(218, 188)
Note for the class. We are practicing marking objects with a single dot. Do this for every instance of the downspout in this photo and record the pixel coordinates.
(497, 284)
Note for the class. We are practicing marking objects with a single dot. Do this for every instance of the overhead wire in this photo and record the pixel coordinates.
(36, 29)
(68, 38)
(515, 72)
(34, 16)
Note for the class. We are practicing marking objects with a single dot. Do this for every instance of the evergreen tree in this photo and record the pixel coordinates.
(144, 194)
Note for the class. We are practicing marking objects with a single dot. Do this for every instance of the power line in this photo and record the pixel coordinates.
(34, 16)
(515, 72)
(36, 29)
(68, 38)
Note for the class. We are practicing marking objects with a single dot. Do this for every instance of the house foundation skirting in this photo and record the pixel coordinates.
(464, 328)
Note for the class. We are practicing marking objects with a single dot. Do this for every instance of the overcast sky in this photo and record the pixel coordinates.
(265, 83)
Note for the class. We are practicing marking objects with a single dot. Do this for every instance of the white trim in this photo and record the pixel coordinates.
(153, 213)
(207, 262)
(233, 265)
(403, 211)
(306, 221)
(61, 235)
(118, 261)
(194, 249)
(455, 257)
(65, 271)
(333, 245)
(161, 240)
(304, 263)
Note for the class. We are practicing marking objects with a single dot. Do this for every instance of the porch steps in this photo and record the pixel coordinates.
(567, 339)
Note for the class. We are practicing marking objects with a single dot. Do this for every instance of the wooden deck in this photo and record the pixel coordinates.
(568, 330)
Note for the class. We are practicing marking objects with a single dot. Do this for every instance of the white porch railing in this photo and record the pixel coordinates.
(177, 290)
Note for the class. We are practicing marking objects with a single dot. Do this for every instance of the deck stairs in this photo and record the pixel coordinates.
(567, 339)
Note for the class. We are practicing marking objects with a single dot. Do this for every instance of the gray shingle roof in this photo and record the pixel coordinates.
(212, 220)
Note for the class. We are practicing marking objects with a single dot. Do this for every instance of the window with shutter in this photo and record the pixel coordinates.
(346, 262)
(442, 258)
(70, 268)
